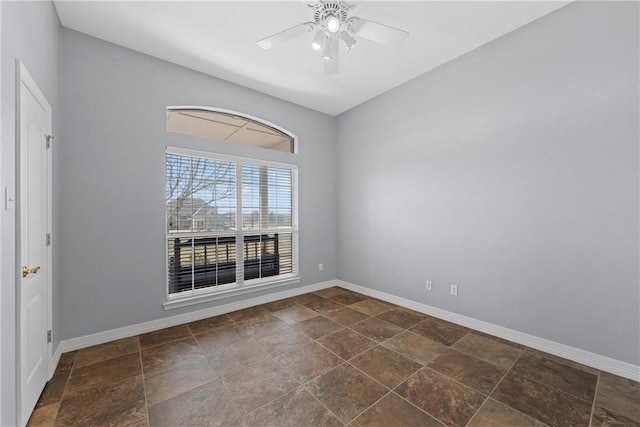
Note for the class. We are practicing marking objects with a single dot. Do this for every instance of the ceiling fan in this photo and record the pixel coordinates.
(332, 24)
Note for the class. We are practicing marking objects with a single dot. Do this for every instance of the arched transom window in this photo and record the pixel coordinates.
(229, 126)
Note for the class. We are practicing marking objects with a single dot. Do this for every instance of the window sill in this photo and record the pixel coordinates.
(185, 301)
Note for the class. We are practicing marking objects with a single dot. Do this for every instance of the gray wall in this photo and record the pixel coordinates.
(30, 32)
(512, 172)
(113, 179)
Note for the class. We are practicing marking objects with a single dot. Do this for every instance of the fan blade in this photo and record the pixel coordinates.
(377, 32)
(332, 66)
(286, 35)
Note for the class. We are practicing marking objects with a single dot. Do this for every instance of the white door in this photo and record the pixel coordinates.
(35, 256)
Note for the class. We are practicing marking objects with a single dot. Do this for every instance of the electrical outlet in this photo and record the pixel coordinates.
(454, 290)
(320, 267)
(429, 285)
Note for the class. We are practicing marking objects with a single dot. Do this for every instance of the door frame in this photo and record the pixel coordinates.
(24, 77)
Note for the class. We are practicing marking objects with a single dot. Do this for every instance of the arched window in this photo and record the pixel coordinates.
(232, 222)
(229, 126)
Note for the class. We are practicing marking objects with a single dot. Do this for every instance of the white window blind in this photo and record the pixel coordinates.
(210, 246)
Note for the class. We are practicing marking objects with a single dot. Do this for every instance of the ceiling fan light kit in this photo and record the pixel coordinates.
(332, 24)
(318, 41)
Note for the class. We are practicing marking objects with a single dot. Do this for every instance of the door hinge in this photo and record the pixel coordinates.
(48, 336)
(50, 139)
(48, 239)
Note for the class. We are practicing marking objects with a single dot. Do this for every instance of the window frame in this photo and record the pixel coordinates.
(181, 299)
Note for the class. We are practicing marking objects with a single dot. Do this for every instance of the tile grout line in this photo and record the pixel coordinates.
(300, 385)
(496, 386)
(558, 390)
(315, 397)
(414, 405)
(220, 379)
(226, 390)
(144, 383)
(595, 396)
(354, 367)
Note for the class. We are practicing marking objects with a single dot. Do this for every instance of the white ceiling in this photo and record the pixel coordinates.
(218, 38)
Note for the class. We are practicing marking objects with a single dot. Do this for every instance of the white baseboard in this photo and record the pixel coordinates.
(593, 360)
(141, 328)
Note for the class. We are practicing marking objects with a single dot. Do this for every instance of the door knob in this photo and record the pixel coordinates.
(26, 271)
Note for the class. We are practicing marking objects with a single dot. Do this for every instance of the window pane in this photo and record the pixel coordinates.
(267, 197)
(267, 255)
(201, 262)
(230, 127)
(200, 194)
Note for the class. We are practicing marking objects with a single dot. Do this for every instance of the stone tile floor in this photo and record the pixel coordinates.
(329, 358)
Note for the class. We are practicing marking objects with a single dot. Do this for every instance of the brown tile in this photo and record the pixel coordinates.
(163, 356)
(296, 408)
(306, 298)
(181, 377)
(331, 292)
(347, 298)
(562, 361)
(103, 373)
(542, 402)
(110, 350)
(236, 357)
(249, 316)
(386, 366)
(209, 405)
(346, 343)
(324, 306)
(488, 349)
(210, 323)
(376, 329)
(308, 361)
(258, 384)
(439, 330)
(279, 305)
(221, 337)
(266, 326)
(416, 347)
(66, 361)
(400, 318)
(605, 418)
(44, 416)
(235, 423)
(494, 414)
(54, 388)
(619, 395)
(370, 307)
(408, 310)
(477, 374)
(295, 314)
(164, 335)
(282, 341)
(393, 410)
(319, 326)
(501, 340)
(120, 403)
(345, 391)
(441, 397)
(561, 377)
(346, 316)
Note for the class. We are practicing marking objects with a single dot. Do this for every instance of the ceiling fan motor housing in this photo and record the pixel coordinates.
(324, 9)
